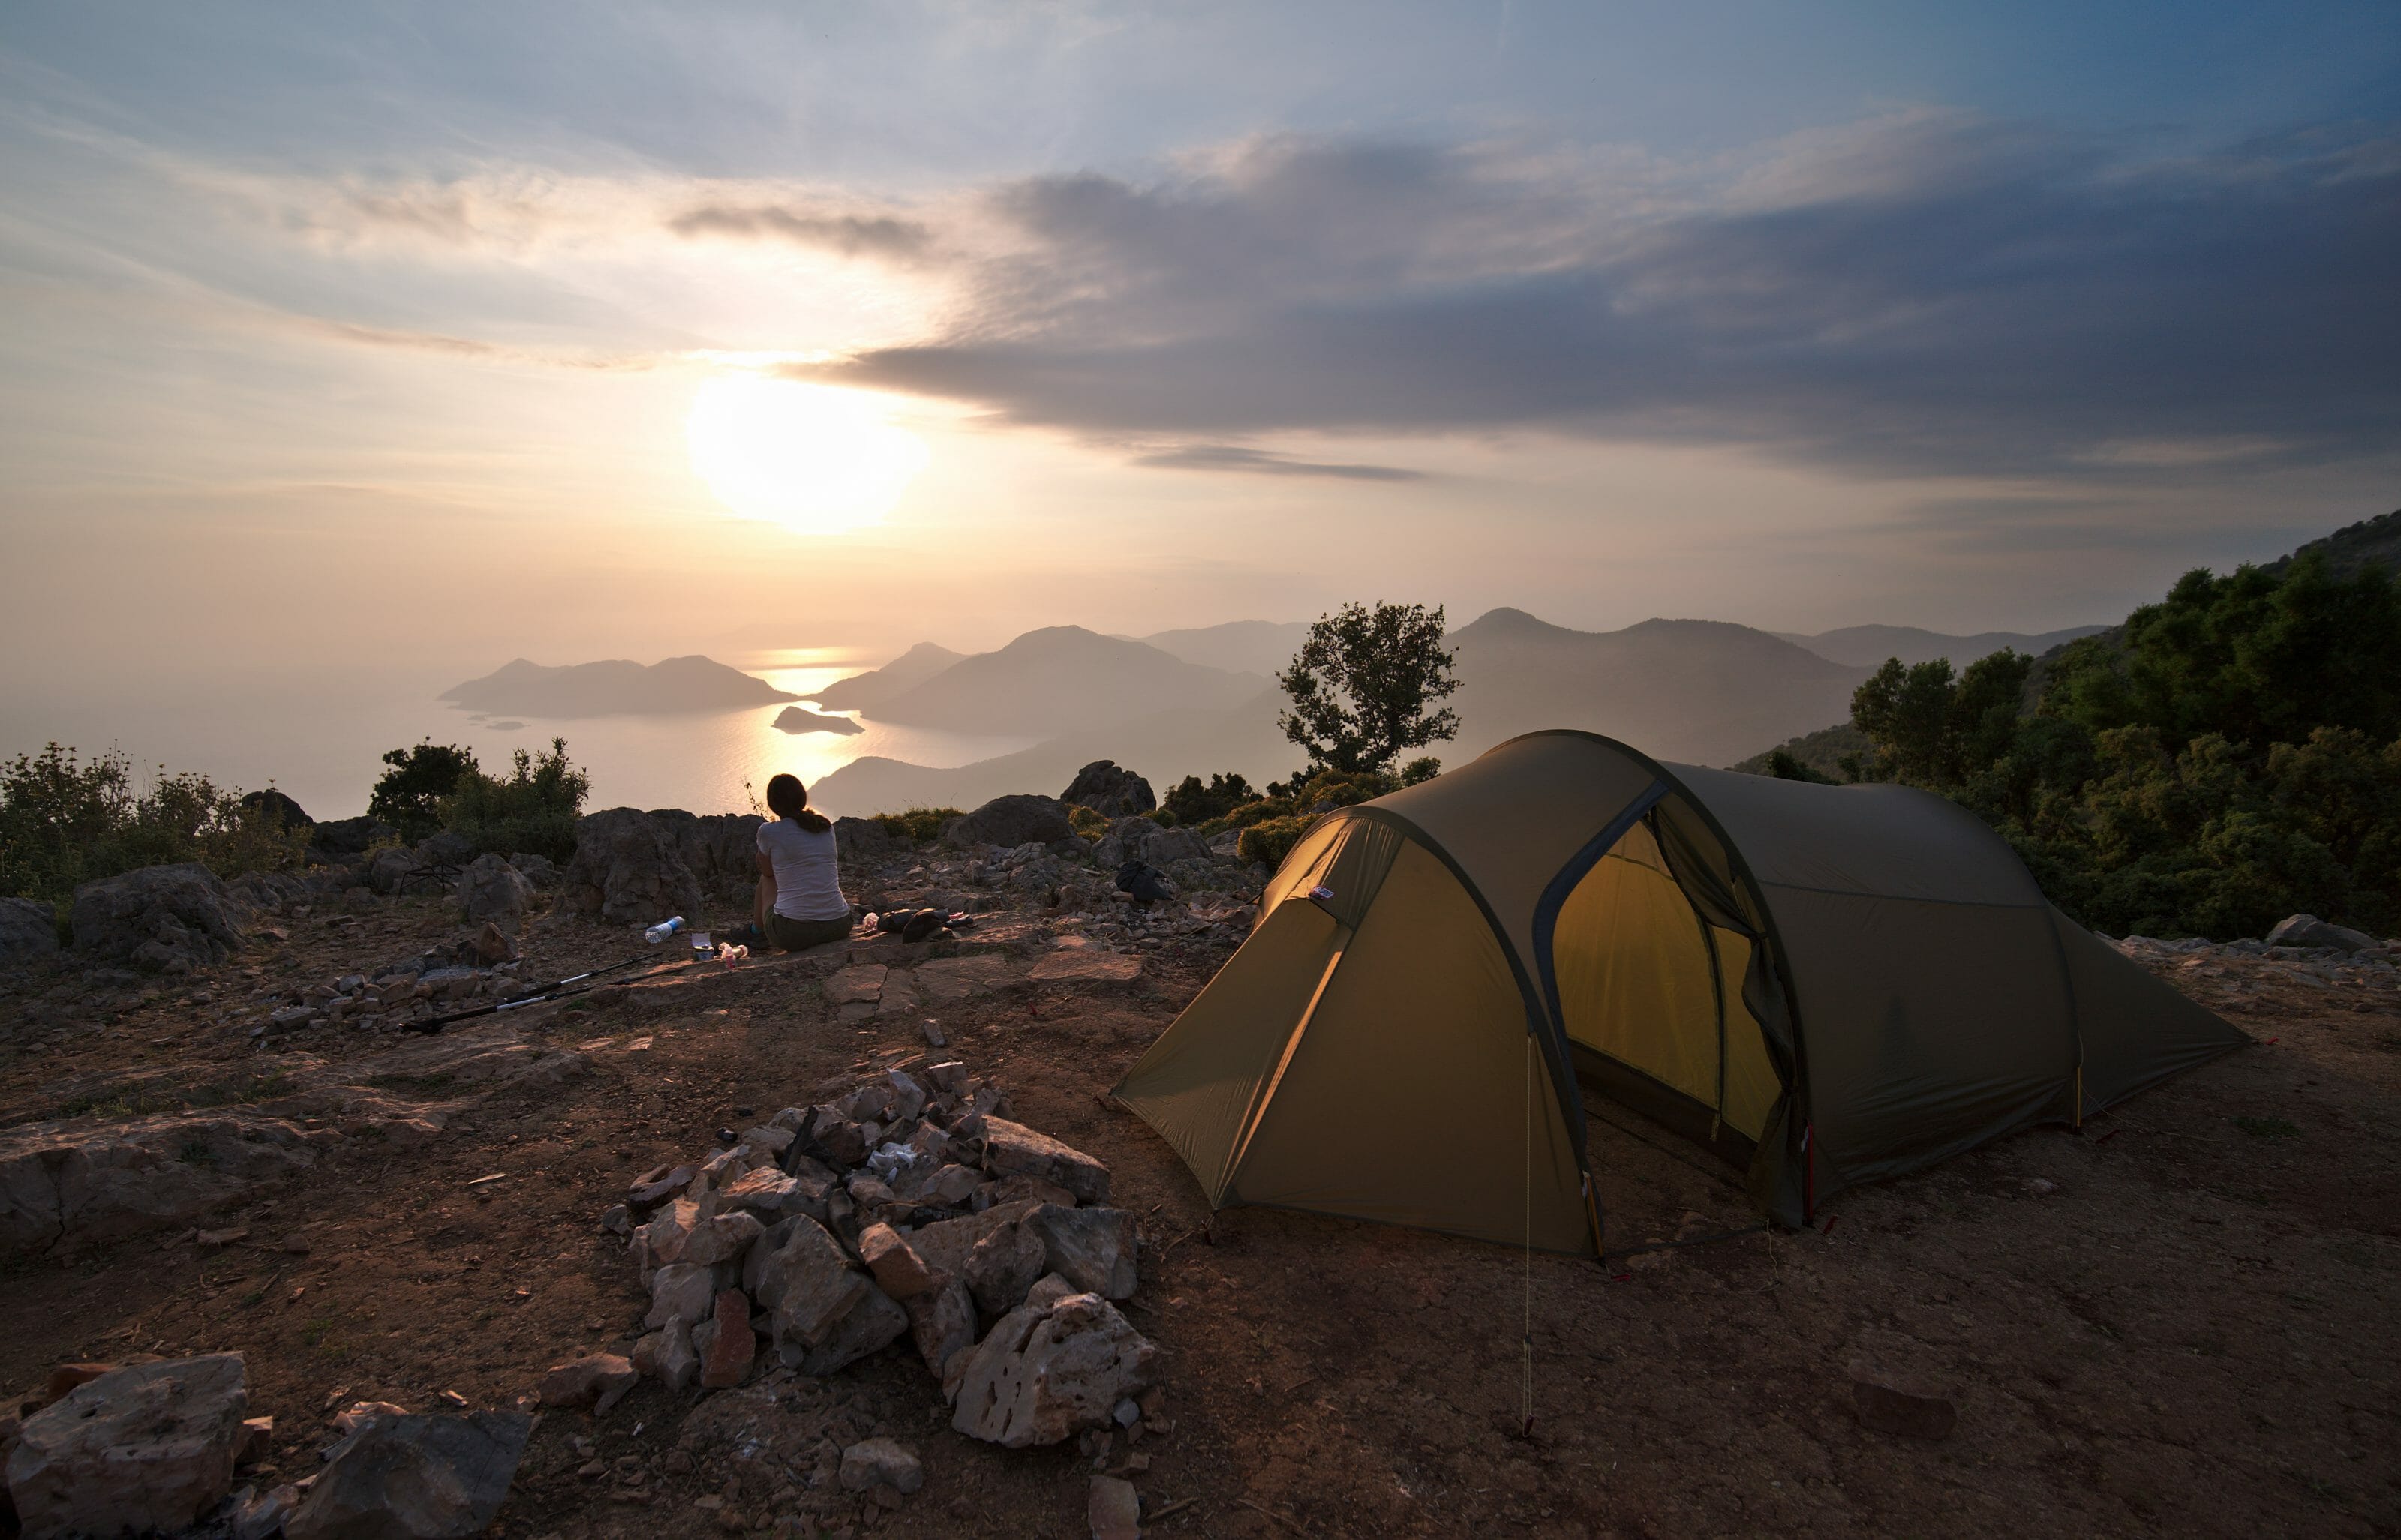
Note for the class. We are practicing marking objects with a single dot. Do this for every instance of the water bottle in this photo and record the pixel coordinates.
(662, 930)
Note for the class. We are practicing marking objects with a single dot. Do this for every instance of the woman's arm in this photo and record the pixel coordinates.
(766, 890)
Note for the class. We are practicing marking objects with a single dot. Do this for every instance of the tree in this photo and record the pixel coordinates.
(1936, 729)
(408, 795)
(1361, 684)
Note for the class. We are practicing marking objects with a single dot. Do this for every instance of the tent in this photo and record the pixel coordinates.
(1824, 985)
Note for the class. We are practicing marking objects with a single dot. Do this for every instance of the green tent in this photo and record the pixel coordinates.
(1824, 985)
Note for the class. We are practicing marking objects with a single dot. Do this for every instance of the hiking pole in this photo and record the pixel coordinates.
(431, 1024)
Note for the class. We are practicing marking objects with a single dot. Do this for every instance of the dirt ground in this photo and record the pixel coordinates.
(2181, 1320)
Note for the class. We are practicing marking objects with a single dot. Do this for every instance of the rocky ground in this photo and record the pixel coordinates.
(2178, 1320)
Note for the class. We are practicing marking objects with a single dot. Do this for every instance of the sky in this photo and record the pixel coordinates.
(357, 338)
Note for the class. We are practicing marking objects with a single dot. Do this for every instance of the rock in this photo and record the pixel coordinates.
(257, 1437)
(942, 1325)
(274, 807)
(628, 870)
(1047, 1372)
(881, 1461)
(870, 1326)
(731, 1346)
(810, 1283)
(1113, 1509)
(1886, 1408)
(598, 1380)
(944, 1244)
(1011, 1149)
(908, 1097)
(950, 978)
(668, 1357)
(357, 1414)
(350, 836)
(861, 985)
(1086, 965)
(444, 849)
(692, 1231)
(2307, 930)
(862, 839)
(765, 1190)
(1010, 821)
(65, 1377)
(166, 918)
(660, 1183)
(949, 1186)
(1109, 790)
(1002, 1266)
(151, 1447)
(168, 1170)
(413, 1479)
(491, 944)
(1092, 1248)
(261, 1515)
(490, 889)
(900, 1272)
(28, 929)
(390, 870)
(681, 1291)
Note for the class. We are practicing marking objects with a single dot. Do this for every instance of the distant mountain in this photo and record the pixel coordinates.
(1698, 692)
(897, 677)
(1239, 647)
(2355, 546)
(1062, 679)
(614, 687)
(793, 719)
(1868, 647)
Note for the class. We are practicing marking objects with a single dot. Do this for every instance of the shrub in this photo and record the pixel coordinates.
(1189, 802)
(920, 825)
(1271, 840)
(534, 810)
(408, 795)
(1343, 789)
(1090, 825)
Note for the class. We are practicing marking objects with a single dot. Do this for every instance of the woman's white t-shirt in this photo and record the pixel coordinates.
(808, 883)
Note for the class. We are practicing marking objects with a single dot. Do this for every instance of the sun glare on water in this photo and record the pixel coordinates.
(813, 457)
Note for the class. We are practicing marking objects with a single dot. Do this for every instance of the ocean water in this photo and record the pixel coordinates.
(321, 736)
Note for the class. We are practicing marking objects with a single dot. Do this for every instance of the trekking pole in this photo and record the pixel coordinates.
(431, 1024)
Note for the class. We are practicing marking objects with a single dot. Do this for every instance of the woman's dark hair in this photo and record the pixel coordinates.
(788, 800)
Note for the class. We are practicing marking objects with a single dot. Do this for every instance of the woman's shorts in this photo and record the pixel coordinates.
(796, 935)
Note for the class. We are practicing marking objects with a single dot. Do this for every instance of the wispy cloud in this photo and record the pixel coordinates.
(1227, 457)
(850, 233)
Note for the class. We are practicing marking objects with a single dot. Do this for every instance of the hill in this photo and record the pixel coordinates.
(2353, 546)
(1062, 679)
(1239, 647)
(1865, 647)
(1701, 692)
(896, 678)
(616, 686)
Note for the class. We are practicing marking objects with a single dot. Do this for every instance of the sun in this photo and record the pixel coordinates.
(813, 457)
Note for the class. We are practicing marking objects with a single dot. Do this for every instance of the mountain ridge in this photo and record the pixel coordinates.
(614, 687)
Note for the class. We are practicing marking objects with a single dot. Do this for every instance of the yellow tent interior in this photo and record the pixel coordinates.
(1824, 985)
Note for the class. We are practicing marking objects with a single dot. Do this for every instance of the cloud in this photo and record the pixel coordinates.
(1926, 292)
(1227, 457)
(848, 233)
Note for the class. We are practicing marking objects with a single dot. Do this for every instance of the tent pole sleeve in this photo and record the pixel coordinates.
(1265, 1096)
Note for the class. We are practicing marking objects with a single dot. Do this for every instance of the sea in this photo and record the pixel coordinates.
(319, 736)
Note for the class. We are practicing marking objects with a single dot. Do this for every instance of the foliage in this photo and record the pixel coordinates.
(1271, 840)
(1190, 802)
(2234, 757)
(918, 825)
(408, 795)
(1085, 821)
(1783, 767)
(1422, 769)
(1361, 684)
(534, 810)
(65, 822)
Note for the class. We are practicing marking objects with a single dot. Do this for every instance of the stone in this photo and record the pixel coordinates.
(955, 979)
(1113, 1509)
(861, 985)
(942, 1323)
(628, 869)
(658, 1184)
(765, 1190)
(2307, 930)
(61, 1184)
(261, 1515)
(1008, 1190)
(1047, 1372)
(357, 1414)
(1011, 1149)
(1002, 1266)
(597, 1380)
(257, 1438)
(681, 1291)
(668, 1357)
(1884, 1408)
(413, 1479)
(881, 1461)
(732, 1346)
(872, 1324)
(908, 1097)
(900, 1272)
(950, 1076)
(491, 890)
(1093, 1248)
(1086, 965)
(692, 1231)
(842, 1140)
(28, 929)
(166, 918)
(1109, 790)
(149, 1447)
(65, 1377)
(950, 1186)
(809, 1283)
(492, 944)
(862, 839)
(1010, 821)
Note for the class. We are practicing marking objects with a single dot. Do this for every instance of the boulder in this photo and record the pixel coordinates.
(881, 1463)
(1109, 790)
(597, 1380)
(627, 871)
(681, 1291)
(260, 1515)
(900, 1272)
(692, 1231)
(668, 1357)
(942, 1325)
(58, 1183)
(2307, 930)
(1019, 819)
(28, 929)
(872, 1324)
(491, 890)
(863, 839)
(1002, 1266)
(446, 849)
(726, 1357)
(1113, 1509)
(1092, 1248)
(141, 1448)
(392, 869)
(1013, 1149)
(168, 919)
(276, 805)
(413, 1479)
(810, 1283)
(1049, 1371)
(344, 837)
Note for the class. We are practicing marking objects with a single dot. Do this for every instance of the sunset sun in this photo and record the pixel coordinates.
(813, 457)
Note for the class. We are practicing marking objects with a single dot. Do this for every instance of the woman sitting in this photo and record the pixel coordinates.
(801, 903)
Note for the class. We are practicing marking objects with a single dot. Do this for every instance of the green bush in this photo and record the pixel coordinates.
(920, 825)
(534, 810)
(65, 822)
(1090, 825)
(408, 795)
(1271, 840)
(1189, 802)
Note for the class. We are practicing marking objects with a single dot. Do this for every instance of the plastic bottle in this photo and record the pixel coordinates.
(662, 930)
